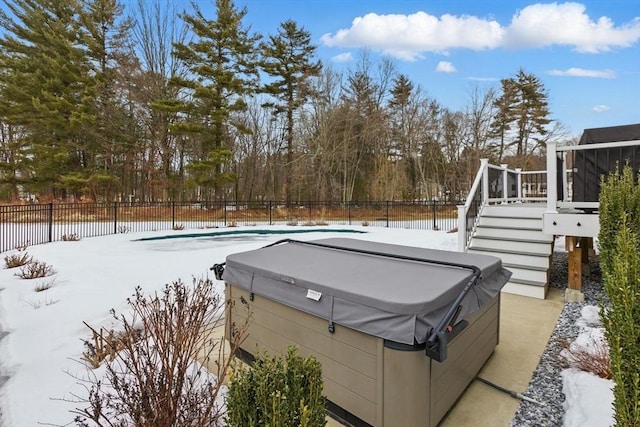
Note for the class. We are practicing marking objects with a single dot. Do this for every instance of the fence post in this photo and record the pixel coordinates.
(270, 210)
(224, 212)
(387, 215)
(115, 217)
(50, 222)
(349, 211)
(433, 206)
(173, 214)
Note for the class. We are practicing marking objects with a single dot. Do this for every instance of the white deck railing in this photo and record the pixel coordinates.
(499, 184)
(475, 199)
(553, 154)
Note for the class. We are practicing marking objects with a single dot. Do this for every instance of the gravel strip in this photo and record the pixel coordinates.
(546, 384)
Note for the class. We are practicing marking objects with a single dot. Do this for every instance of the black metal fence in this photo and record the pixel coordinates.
(33, 224)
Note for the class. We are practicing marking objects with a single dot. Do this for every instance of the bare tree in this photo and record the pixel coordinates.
(157, 29)
(320, 154)
(478, 115)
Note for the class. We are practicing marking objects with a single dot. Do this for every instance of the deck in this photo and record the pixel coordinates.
(516, 214)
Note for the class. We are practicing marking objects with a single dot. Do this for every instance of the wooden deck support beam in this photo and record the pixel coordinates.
(575, 262)
(578, 262)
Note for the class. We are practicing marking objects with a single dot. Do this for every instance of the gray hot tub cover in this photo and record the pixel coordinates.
(395, 299)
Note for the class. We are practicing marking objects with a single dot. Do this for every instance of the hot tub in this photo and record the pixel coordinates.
(400, 331)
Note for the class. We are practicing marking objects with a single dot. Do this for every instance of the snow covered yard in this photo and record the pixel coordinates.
(41, 353)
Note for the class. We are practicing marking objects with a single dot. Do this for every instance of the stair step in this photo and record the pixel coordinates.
(527, 290)
(515, 223)
(527, 275)
(511, 234)
(515, 258)
(524, 266)
(534, 248)
(514, 211)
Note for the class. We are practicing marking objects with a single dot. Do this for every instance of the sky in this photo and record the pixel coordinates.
(587, 54)
(41, 351)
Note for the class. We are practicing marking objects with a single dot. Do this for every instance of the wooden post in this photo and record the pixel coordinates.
(575, 263)
(592, 252)
(575, 246)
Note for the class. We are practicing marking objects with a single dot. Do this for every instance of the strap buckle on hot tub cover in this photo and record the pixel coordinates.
(218, 270)
(447, 328)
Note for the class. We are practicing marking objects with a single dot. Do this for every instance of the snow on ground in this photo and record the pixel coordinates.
(589, 398)
(41, 352)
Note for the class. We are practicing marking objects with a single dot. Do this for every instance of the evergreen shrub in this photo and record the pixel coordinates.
(277, 393)
(619, 243)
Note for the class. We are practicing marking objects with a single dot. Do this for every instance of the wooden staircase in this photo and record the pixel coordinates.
(513, 232)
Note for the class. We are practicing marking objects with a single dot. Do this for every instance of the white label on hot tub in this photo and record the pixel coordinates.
(314, 295)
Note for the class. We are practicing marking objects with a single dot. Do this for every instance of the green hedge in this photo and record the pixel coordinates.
(619, 243)
(277, 393)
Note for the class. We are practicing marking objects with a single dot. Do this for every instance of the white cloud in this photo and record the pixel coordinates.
(581, 72)
(601, 108)
(343, 57)
(539, 25)
(568, 24)
(408, 36)
(445, 67)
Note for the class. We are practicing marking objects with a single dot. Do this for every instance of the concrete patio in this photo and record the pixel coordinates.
(525, 327)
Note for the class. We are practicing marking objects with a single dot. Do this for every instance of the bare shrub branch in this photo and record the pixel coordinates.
(35, 269)
(154, 378)
(44, 285)
(38, 304)
(17, 260)
(21, 247)
(105, 345)
(122, 229)
(593, 358)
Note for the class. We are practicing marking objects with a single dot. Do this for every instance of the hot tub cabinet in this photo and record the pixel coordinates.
(372, 314)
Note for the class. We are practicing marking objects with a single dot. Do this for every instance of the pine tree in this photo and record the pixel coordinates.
(42, 79)
(505, 115)
(105, 37)
(522, 114)
(223, 65)
(532, 111)
(288, 59)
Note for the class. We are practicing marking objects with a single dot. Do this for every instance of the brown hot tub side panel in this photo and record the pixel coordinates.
(467, 355)
(380, 385)
(351, 361)
(419, 390)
